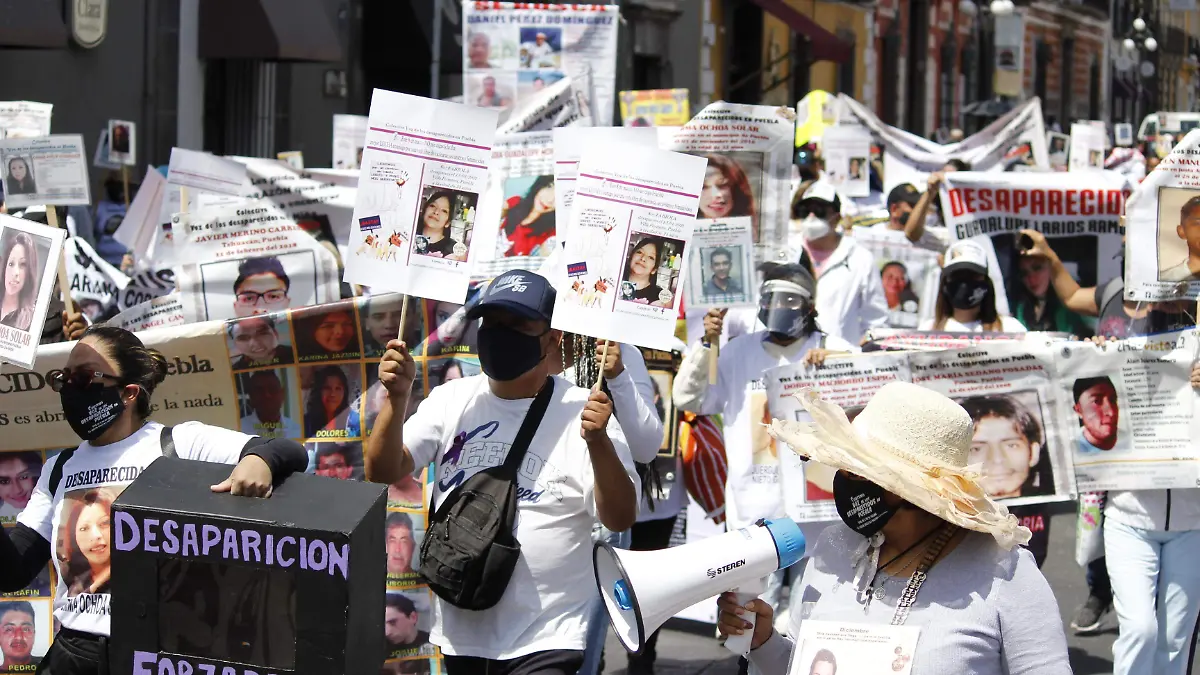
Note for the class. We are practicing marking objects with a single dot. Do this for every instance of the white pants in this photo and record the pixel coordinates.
(1156, 592)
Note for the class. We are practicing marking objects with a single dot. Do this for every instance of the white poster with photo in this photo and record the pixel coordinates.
(1010, 389)
(138, 231)
(100, 154)
(627, 243)
(517, 220)
(749, 153)
(349, 136)
(568, 149)
(514, 50)
(721, 270)
(236, 261)
(206, 172)
(847, 154)
(1087, 147)
(95, 285)
(24, 119)
(160, 312)
(29, 253)
(50, 170)
(1163, 221)
(850, 382)
(569, 102)
(1079, 214)
(828, 647)
(906, 270)
(1123, 134)
(424, 169)
(1059, 146)
(1128, 410)
(122, 142)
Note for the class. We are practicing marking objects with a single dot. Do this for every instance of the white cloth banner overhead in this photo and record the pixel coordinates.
(1163, 223)
(514, 50)
(95, 284)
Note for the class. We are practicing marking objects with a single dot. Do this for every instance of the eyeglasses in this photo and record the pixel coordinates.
(251, 298)
(78, 379)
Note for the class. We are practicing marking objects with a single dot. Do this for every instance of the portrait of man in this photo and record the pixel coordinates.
(479, 47)
(400, 543)
(720, 265)
(1096, 407)
(541, 52)
(19, 473)
(261, 287)
(256, 343)
(338, 460)
(381, 323)
(266, 396)
(400, 625)
(18, 632)
(490, 97)
(1188, 230)
(1009, 444)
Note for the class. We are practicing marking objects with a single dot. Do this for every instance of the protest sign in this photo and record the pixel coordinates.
(424, 168)
(855, 647)
(29, 255)
(906, 272)
(147, 284)
(139, 230)
(817, 111)
(100, 158)
(24, 119)
(847, 153)
(1079, 213)
(95, 284)
(655, 108)
(1087, 147)
(1127, 411)
(517, 219)
(349, 137)
(265, 260)
(749, 153)
(889, 339)
(721, 269)
(206, 172)
(1008, 387)
(626, 245)
(568, 149)
(1163, 217)
(161, 312)
(122, 142)
(514, 50)
(849, 382)
(1123, 134)
(50, 170)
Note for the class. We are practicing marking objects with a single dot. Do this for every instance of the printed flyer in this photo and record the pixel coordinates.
(518, 217)
(721, 269)
(30, 253)
(568, 149)
(50, 170)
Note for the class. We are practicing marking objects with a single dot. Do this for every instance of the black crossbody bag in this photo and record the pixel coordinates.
(469, 551)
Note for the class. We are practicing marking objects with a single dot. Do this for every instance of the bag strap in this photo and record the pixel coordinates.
(166, 440)
(529, 426)
(57, 472)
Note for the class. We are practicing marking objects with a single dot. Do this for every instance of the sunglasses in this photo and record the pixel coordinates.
(78, 379)
(822, 211)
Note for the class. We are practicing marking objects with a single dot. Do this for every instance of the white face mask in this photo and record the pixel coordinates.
(813, 227)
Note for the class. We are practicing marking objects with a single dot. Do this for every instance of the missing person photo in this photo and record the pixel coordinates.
(725, 277)
(450, 332)
(343, 461)
(898, 288)
(408, 493)
(1178, 234)
(1096, 159)
(265, 401)
(527, 226)
(262, 285)
(1057, 143)
(530, 82)
(445, 370)
(403, 532)
(121, 144)
(541, 47)
(259, 341)
(407, 620)
(1097, 408)
(732, 185)
(326, 332)
(491, 47)
(19, 473)
(361, 424)
(651, 270)
(491, 90)
(18, 176)
(444, 229)
(380, 316)
(83, 545)
(24, 257)
(1010, 444)
(326, 393)
(25, 633)
(858, 169)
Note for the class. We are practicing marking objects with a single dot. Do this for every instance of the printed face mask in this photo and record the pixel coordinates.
(860, 504)
(91, 410)
(506, 354)
(966, 293)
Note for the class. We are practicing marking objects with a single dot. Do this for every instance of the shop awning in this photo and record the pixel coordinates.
(32, 24)
(823, 45)
(268, 30)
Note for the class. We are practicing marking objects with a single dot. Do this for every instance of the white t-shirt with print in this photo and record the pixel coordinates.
(1008, 324)
(91, 480)
(466, 429)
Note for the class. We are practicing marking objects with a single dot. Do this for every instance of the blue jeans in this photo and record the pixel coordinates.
(598, 616)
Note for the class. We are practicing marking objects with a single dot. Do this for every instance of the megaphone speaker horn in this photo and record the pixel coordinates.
(642, 589)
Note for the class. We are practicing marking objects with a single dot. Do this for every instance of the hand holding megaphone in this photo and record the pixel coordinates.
(737, 618)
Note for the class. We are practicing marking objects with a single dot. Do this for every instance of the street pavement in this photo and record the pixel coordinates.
(686, 648)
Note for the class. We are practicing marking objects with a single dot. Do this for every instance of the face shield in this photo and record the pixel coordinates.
(784, 307)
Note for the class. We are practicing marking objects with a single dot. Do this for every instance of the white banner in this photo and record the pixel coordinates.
(95, 284)
(1163, 221)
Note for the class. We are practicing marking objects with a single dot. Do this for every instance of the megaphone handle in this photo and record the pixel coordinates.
(740, 644)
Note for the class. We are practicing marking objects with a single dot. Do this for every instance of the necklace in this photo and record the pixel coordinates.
(877, 590)
(909, 596)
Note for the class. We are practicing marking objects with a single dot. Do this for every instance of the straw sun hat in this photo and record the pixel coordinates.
(912, 442)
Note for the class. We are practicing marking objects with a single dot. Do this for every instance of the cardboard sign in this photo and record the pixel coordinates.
(244, 585)
(122, 142)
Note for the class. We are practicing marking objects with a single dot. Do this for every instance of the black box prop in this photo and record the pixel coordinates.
(212, 584)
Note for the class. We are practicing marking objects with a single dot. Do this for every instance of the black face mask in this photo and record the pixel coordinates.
(966, 293)
(860, 504)
(506, 354)
(91, 410)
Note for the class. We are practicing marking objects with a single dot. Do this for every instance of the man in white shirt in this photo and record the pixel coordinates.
(541, 53)
(576, 469)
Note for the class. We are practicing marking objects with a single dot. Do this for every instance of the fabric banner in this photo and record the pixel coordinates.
(95, 284)
(514, 50)
(913, 340)
(655, 108)
(1078, 212)
(1163, 217)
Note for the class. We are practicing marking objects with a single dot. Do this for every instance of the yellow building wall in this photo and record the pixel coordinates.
(834, 18)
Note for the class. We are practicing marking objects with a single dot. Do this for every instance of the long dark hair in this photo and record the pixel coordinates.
(543, 223)
(988, 316)
(136, 363)
(433, 198)
(314, 411)
(27, 297)
(1040, 480)
(641, 243)
(583, 360)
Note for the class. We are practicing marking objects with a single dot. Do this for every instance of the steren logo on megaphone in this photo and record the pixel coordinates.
(712, 573)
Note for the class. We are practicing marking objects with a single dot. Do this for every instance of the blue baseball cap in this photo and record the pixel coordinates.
(521, 292)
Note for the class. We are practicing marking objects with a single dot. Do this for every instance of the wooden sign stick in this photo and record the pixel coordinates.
(603, 360)
(125, 180)
(64, 282)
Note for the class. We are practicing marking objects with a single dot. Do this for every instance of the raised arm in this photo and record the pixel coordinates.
(1077, 299)
(914, 227)
(387, 459)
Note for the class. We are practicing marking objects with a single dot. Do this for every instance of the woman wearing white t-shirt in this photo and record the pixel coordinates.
(966, 301)
(105, 390)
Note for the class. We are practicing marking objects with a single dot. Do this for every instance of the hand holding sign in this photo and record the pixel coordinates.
(594, 420)
(608, 358)
(397, 370)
